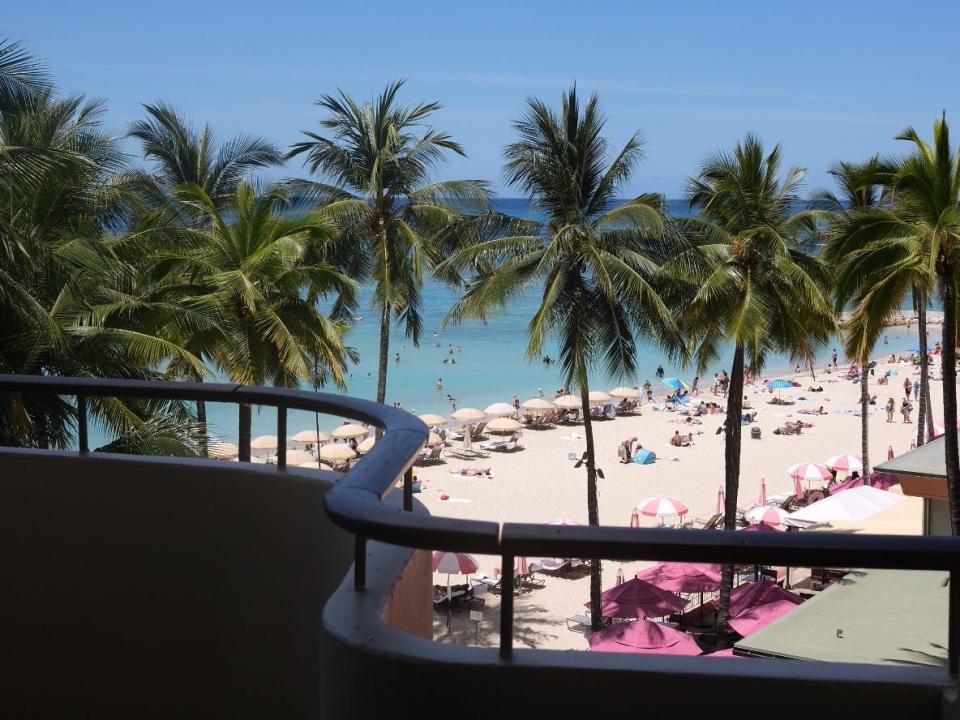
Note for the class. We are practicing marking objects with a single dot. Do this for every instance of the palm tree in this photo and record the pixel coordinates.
(250, 273)
(753, 284)
(395, 227)
(915, 243)
(860, 191)
(593, 259)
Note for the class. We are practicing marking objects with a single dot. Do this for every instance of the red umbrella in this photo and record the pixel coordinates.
(755, 604)
(683, 577)
(643, 636)
(454, 563)
(639, 599)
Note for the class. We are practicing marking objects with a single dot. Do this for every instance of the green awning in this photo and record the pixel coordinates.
(886, 617)
(926, 461)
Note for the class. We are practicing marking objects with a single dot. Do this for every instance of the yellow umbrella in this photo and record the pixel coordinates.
(345, 432)
(264, 442)
(367, 445)
(568, 402)
(598, 396)
(537, 405)
(432, 420)
(295, 457)
(625, 392)
(468, 415)
(337, 451)
(500, 409)
(223, 451)
(310, 436)
(503, 425)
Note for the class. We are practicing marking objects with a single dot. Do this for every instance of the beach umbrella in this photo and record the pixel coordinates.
(500, 409)
(846, 462)
(661, 506)
(223, 451)
(468, 415)
(295, 457)
(766, 515)
(778, 385)
(763, 492)
(759, 527)
(599, 397)
(336, 451)
(264, 442)
(720, 501)
(350, 430)
(637, 599)
(432, 420)
(625, 392)
(683, 577)
(634, 518)
(568, 402)
(366, 445)
(755, 604)
(675, 383)
(537, 405)
(563, 521)
(890, 453)
(620, 578)
(642, 637)
(882, 480)
(313, 464)
(310, 436)
(809, 471)
(854, 505)
(503, 425)
(453, 563)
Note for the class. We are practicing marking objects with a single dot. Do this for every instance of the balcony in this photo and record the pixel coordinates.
(145, 587)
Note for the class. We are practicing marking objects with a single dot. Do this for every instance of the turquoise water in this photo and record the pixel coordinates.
(490, 361)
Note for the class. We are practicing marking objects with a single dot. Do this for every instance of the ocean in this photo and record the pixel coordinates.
(491, 363)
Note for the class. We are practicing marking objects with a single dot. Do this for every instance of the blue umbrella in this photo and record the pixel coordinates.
(675, 383)
(644, 456)
(779, 383)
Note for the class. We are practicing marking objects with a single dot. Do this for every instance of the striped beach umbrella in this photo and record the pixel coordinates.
(454, 563)
(846, 462)
(766, 515)
(661, 506)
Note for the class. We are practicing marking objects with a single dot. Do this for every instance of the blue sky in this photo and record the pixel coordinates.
(829, 80)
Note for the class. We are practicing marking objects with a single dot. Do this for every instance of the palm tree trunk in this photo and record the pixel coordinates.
(593, 507)
(202, 422)
(246, 422)
(925, 413)
(865, 419)
(949, 368)
(731, 455)
(384, 353)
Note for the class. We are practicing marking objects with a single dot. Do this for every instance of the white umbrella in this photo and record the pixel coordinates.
(765, 514)
(351, 430)
(847, 462)
(500, 409)
(855, 504)
(453, 563)
(310, 436)
(264, 442)
(432, 420)
(598, 396)
(568, 402)
(468, 415)
(503, 425)
(223, 451)
(660, 506)
(625, 392)
(366, 445)
(254, 460)
(433, 440)
(537, 405)
(337, 451)
(314, 465)
(295, 457)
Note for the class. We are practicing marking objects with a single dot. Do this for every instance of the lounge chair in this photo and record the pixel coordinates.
(430, 455)
(491, 584)
(493, 444)
(578, 620)
(609, 412)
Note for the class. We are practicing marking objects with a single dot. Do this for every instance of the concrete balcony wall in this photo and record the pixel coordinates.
(145, 587)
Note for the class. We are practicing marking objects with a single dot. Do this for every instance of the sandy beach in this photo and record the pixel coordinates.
(539, 483)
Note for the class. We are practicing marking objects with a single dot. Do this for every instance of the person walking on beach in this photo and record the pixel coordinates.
(906, 388)
(660, 371)
(516, 404)
(648, 389)
(439, 384)
(834, 358)
(891, 407)
(695, 388)
(905, 409)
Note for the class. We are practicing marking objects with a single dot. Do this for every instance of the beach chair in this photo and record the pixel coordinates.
(430, 455)
(609, 412)
(479, 597)
(578, 621)
(493, 444)
(491, 584)
(478, 431)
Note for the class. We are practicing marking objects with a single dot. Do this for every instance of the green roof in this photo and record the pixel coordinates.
(926, 461)
(887, 617)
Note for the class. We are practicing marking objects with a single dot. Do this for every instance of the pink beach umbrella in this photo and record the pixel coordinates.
(563, 521)
(720, 501)
(453, 563)
(683, 577)
(809, 472)
(643, 637)
(759, 527)
(756, 604)
(638, 599)
(765, 515)
(847, 462)
(634, 519)
(521, 566)
(890, 454)
(661, 506)
(763, 492)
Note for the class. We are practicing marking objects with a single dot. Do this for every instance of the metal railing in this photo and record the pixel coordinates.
(355, 504)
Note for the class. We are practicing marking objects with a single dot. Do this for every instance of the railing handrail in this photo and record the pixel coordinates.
(355, 503)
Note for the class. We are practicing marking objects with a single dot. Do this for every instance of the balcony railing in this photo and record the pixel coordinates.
(356, 504)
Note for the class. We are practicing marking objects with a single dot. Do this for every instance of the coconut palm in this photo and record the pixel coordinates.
(753, 284)
(915, 243)
(860, 191)
(246, 266)
(395, 227)
(592, 260)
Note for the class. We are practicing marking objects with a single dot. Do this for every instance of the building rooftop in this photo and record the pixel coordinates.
(926, 461)
(886, 617)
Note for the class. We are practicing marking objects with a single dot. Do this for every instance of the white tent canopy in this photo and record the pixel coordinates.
(856, 504)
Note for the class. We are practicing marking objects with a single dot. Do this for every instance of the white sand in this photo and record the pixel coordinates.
(539, 483)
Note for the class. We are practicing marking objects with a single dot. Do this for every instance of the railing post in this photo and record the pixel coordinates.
(281, 437)
(359, 562)
(506, 606)
(82, 438)
(408, 490)
(953, 626)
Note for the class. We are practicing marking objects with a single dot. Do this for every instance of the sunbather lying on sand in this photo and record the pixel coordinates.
(818, 411)
(472, 472)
